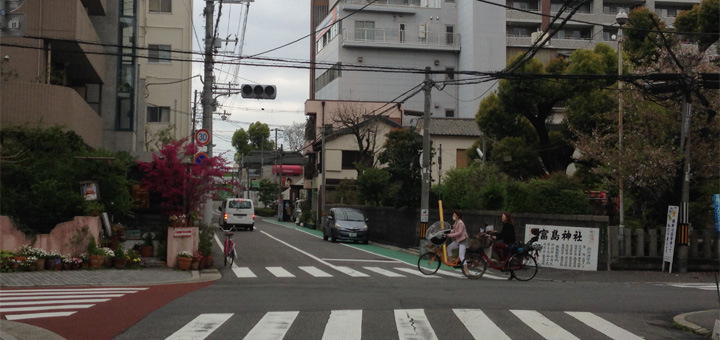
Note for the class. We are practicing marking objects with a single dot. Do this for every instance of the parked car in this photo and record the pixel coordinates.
(345, 224)
(237, 213)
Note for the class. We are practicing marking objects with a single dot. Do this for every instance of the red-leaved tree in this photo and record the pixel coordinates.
(184, 184)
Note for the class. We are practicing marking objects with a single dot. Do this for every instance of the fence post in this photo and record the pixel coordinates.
(639, 242)
(627, 241)
(694, 244)
(613, 239)
(707, 243)
(652, 246)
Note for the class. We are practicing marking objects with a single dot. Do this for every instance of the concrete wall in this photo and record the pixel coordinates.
(58, 239)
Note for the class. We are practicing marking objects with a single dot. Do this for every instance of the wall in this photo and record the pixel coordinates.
(58, 239)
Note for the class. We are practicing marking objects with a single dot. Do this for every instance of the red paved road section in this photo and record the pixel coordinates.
(107, 319)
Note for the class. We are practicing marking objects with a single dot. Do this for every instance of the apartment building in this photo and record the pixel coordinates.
(100, 68)
(447, 36)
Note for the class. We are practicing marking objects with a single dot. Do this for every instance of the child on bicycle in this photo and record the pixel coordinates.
(459, 235)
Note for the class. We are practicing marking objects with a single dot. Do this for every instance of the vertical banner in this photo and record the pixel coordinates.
(716, 207)
(670, 231)
(567, 247)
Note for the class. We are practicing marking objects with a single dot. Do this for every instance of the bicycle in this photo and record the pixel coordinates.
(522, 264)
(429, 263)
(229, 248)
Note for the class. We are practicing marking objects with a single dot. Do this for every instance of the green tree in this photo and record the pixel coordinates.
(703, 18)
(642, 36)
(373, 185)
(267, 191)
(480, 186)
(516, 158)
(241, 142)
(259, 136)
(401, 155)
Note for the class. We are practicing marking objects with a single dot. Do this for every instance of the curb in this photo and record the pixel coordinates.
(11, 330)
(682, 322)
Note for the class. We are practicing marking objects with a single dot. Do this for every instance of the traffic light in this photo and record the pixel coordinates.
(258, 91)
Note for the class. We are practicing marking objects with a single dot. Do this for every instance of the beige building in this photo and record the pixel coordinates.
(451, 138)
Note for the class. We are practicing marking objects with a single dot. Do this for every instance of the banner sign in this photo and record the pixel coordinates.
(182, 232)
(670, 231)
(567, 247)
(716, 207)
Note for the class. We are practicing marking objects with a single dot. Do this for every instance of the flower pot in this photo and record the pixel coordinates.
(74, 266)
(41, 264)
(184, 262)
(96, 261)
(120, 263)
(146, 251)
(108, 262)
(32, 267)
(195, 265)
(207, 259)
(85, 264)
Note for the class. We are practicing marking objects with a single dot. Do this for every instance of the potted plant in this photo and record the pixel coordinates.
(146, 250)
(95, 253)
(53, 260)
(84, 261)
(108, 257)
(197, 258)
(120, 257)
(133, 260)
(184, 260)
(93, 208)
(205, 245)
(177, 220)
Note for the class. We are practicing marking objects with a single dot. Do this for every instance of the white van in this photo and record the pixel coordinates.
(237, 213)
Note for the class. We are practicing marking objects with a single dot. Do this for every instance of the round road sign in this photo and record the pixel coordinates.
(200, 157)
(202, 137)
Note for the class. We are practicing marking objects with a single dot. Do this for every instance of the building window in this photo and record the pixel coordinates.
(159, 53)
(449, 35)
(162, 6)
(158, 114)
(125, 99)
(365, 30)
(349, 158)
(449, 73)
(449, 113)
(461, 158)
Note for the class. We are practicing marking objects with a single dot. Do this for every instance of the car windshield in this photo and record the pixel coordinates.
(240, 204)
(349, 215)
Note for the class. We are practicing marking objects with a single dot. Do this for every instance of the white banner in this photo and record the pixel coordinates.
(567, 247)
(670, 231)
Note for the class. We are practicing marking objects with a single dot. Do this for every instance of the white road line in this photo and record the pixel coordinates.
(361, 260)
(314, 271)
(701, 286)
(37, 308)
(418, 273)
(272, 326)
(479, 325)
(13, 317)
(70, 291)
(383, 272)
(412, 324)
(542, 325)
(243, 272)
(44, 302)
(60, 294)
(200, 327)
(15, 298)
(349, 271)
(603, 326)
(344, 324)
(279, 272)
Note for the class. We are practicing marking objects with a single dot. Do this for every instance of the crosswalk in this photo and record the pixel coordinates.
(344, 271)
(701, 286)
(409, 324)
(22, 304)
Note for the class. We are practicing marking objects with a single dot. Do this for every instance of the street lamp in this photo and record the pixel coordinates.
(621, 18)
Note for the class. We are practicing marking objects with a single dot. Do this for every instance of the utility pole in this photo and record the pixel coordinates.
(425, 190)
(280, 187)
(278, 174)
(207, 100)
(321, 218)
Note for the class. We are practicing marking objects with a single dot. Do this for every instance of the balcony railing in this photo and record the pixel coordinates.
(399, 38)
(384, 2)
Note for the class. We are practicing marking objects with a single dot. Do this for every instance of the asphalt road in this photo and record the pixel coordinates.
(289, 283)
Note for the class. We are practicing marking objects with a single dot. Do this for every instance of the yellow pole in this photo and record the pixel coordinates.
(442, 226)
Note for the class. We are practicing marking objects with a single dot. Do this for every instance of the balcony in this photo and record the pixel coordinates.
(397, 39)
(48, 105)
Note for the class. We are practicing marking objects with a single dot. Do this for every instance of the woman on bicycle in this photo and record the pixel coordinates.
(505, 237)
(459, 235)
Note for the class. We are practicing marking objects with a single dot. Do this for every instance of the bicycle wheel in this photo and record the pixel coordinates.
(231, 255)
(476, 265)
(429, 263)
(523, 267)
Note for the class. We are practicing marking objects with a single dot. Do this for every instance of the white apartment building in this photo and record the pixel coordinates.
(447, 36)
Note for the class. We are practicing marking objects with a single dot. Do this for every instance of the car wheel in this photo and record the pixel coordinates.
(332, 237)
(325, 237)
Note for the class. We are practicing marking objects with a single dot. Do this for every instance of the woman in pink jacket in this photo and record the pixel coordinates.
(459, 236)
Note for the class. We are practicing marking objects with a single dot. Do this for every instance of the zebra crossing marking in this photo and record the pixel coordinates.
(416, 272)
(542, 325)
(14, 298)
(479, 325)
(701, 286)
(383, 272)
(349, 271)
(279, 272)
(272, 326)
(603, 326)
(200, 327)
(413, 324)
(314, 271)
(243, 272)
(15, 317)
(344, 324)
(29, 303)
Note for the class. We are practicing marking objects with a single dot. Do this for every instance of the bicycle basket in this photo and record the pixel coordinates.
(479, 242)
(435, 234)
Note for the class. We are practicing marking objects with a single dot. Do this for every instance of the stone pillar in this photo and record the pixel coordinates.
(179, 239)
(627, 236)
(639, 242)
(652, 246)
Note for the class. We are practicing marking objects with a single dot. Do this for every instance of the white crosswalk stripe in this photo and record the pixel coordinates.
(314, 271)
(395, 272)
(410, 324)
(701, 286)
(384, 272)
(279, 272)
(21, 304)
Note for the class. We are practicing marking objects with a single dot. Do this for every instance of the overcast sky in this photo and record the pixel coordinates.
(270, 24)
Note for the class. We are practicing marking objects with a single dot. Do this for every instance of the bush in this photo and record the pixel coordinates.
(266, 212)
(557, 195)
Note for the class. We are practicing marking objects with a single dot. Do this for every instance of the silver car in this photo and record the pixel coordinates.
(346, 224)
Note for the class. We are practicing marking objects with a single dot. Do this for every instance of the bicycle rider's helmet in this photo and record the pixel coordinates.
(436, 232)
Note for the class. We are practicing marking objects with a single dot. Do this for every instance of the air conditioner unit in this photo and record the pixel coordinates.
(539, 37)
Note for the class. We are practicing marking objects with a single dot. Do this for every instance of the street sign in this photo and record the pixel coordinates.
(671, 229)
(716, 205)
(202, 137)
(200, 157)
